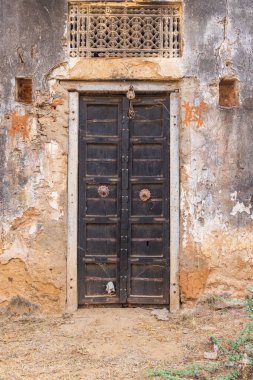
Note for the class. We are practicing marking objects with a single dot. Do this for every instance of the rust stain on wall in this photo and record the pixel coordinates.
(19, 125)
(193, 114)
(25, 218)
(193, 282)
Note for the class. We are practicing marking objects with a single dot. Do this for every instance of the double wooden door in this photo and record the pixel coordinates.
(123, 234)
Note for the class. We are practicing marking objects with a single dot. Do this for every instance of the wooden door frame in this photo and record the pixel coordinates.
(75, 88)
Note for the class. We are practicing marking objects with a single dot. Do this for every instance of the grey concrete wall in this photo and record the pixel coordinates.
(32, 265)
(216, 158)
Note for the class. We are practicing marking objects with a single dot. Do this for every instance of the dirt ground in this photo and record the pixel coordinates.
(107, 343)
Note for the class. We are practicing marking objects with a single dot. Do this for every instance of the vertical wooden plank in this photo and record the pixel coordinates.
(174, 202)
(166, 199)
(72, 302)
(124, 203)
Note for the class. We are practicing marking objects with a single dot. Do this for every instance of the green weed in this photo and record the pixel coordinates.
(198, 370)
(234, 363)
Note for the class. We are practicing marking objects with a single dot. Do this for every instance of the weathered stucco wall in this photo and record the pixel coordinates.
(215, 147)
(216, 170)
(33, 156)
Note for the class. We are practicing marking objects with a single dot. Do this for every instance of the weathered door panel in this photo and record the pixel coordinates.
(123, 200)
(148, 263)
(99, 198)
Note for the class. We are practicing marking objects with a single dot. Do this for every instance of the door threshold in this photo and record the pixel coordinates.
(122, 306)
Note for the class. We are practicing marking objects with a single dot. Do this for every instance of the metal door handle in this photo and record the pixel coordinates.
(103, 191)
(144, 195)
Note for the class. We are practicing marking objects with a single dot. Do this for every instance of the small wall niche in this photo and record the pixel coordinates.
(228, 93)
(24, 90)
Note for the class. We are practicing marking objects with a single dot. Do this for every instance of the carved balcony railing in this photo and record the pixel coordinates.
(151, 30)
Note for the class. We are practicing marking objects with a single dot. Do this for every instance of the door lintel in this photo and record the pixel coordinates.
(119, 86)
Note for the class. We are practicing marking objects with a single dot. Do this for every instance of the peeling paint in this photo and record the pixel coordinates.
(53, 201)
(233, 196)
(18, 250)
(240, 207)
(124, 68)
(33, 229)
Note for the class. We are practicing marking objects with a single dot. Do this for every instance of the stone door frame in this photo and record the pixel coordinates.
(76, 87)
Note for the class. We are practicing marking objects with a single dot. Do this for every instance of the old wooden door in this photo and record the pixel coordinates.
(123, 238)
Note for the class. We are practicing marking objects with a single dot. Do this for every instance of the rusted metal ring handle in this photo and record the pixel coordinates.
(145, 195)
(103, 191)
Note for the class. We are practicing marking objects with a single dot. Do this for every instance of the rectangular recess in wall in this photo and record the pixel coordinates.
(24, 90)
(228, 92)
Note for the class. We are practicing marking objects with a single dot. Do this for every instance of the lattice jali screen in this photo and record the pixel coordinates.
(124, 31)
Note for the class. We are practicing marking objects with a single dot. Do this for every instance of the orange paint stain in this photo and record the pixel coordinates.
(193, 282)
(19, 125)
(57, 102)
(193, 114)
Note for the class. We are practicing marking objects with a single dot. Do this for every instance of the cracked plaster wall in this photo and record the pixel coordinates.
(215, 147)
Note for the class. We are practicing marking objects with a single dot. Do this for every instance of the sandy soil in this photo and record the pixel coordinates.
(107, 343)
